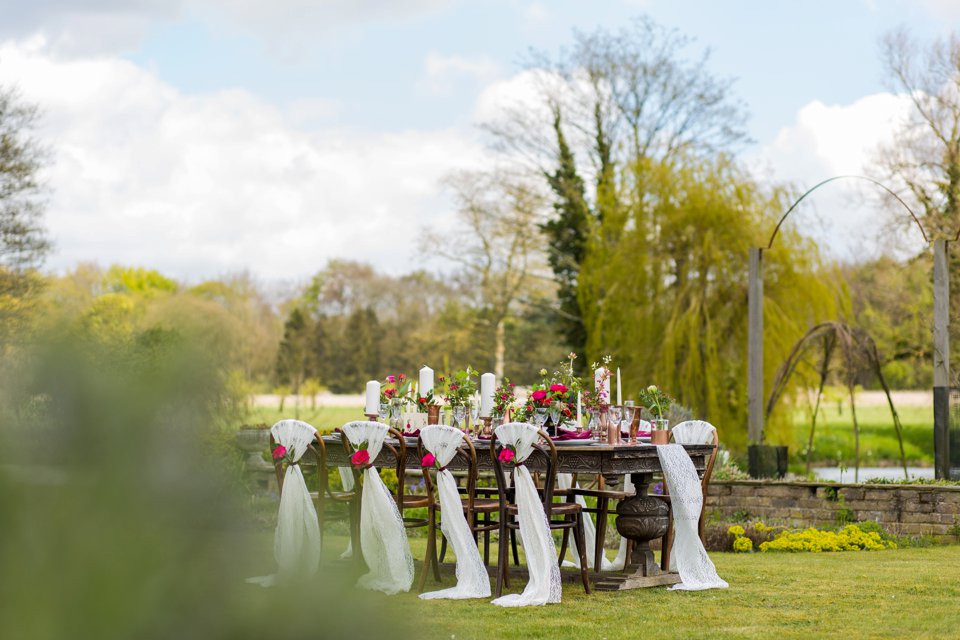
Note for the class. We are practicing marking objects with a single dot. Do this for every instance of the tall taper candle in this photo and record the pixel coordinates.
(488, 382)
(619, 398)
(426, 380)
(373, 398)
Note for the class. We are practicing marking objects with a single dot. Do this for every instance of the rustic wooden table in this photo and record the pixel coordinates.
(640, 518)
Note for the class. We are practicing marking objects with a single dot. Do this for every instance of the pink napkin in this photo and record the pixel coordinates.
(640, 434)
(411, 434)
(573, 435)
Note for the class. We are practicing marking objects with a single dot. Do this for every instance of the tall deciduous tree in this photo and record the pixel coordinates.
(923, 160)
(22, 240)
(608, 109)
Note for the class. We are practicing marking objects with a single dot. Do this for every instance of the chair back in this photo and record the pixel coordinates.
(544, 448)
(398, 451)
(317, 449)
(699, 432)
(465, 452)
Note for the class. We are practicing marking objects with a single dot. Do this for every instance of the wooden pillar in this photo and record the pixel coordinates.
(755, 347)
(941, 359)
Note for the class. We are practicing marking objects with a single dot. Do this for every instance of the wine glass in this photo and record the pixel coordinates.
(383, 410)
(474, 415)
(616, 413)
(628, 411)
(395, 415)
(540, 416)
(459, 413)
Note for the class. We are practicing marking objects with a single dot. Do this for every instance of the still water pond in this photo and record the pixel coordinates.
(832, 474)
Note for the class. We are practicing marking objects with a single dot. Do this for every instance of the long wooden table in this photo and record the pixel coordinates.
(640, 518)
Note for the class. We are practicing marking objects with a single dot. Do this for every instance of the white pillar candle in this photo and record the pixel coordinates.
(488, 383)
(619, 397)
(373, 398)
(426, 380)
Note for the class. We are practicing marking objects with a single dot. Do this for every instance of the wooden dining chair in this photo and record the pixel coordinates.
(325, 497)
(569, 514)
(397, 448)
(690, 432)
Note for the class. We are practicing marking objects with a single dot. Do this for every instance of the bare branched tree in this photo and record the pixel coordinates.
(497, 247)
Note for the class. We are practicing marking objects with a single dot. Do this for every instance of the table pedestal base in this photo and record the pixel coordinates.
(623, 582)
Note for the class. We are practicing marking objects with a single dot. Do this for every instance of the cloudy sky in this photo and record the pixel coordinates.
(203, 137)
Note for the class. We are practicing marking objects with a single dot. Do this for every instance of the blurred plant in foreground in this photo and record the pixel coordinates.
(119, 517)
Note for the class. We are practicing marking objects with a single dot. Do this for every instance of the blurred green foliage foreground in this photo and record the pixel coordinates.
(121, 509)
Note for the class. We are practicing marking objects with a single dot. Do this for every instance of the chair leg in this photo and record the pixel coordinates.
(486, 540)
(563, 546)
(513, 545)
(667, 542)
(502, 557)
(603, 507)
(443, 546)
(432, 543)
(581, 547)
(428, 556)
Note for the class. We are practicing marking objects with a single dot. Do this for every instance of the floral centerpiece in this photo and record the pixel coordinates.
(557, 392)
(395, 389)
(461, 387)
(656, 401)
(504, 399)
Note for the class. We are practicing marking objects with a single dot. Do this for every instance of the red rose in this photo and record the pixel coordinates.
(558, 388)
(361, 457)
(389, 392)
(506, 455)
(279, 452)
(423, 400)
(538, 395)
(428, 460)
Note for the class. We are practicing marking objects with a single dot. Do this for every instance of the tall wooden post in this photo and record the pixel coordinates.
(941, 360)
(755, 347)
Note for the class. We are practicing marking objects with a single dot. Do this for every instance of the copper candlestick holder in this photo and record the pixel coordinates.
(487, 430)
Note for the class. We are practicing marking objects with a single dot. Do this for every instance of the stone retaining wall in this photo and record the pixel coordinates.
(908, 510)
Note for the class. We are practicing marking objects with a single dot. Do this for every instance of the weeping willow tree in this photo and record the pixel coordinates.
(664, 285)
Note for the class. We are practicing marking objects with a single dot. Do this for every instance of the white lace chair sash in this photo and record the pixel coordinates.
(297, 537)
(694, 432)
(696, 570)
(541, 551)
(383, 538)
(443, 443)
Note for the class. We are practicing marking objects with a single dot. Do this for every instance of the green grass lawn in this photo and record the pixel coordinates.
(323, 418)
(879, 594)
(878, 441)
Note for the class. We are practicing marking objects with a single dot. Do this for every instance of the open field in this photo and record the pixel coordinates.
(880, 594)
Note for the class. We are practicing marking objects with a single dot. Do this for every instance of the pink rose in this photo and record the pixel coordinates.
(428, 460)
(391, 379)
(558, 388)
(361, 457)
(538, 395)
(279, 452)
(506, 455)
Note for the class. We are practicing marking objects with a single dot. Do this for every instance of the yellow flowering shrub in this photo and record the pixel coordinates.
(742, 544)
(736, 530)
(850, 538)
(760, 527)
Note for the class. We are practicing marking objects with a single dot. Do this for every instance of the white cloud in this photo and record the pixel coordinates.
(200, 185)
(827, 141)
(442, 74)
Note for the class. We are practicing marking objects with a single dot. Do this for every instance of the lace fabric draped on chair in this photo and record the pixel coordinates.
(541, 553)
(696, 570)
(472, 579)
(383, 539)
(296, 543)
